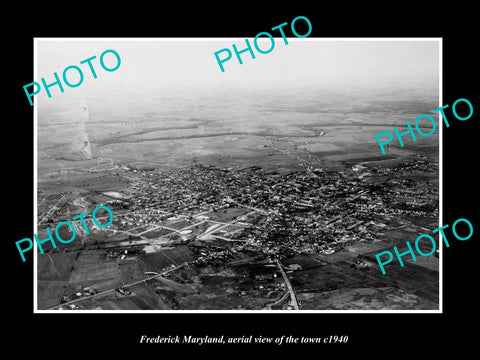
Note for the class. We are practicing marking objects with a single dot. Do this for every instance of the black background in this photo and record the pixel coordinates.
(381, 335)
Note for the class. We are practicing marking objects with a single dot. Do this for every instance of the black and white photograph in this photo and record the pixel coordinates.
(258, 188)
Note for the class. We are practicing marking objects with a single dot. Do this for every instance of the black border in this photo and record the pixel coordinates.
(372, 334)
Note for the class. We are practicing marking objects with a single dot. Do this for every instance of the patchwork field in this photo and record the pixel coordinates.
(238, 129)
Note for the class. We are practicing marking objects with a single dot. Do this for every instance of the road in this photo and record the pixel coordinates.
(163, 273)
(251, 208)
(293, 297)
(50, 210)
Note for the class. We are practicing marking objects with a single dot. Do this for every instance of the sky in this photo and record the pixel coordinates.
(151, 66)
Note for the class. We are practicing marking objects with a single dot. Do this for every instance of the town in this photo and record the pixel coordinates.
(204, 237)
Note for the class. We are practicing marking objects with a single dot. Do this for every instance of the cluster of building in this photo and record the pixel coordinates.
(250, 221)
(307, 211)
(82, 293)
